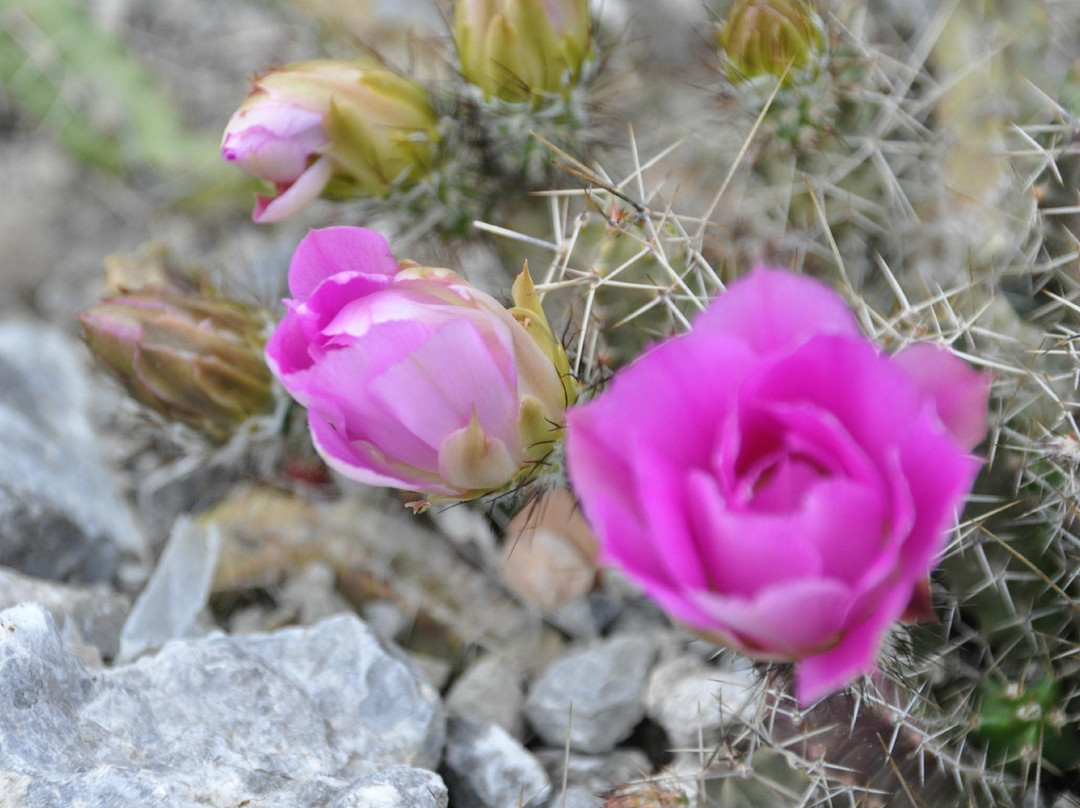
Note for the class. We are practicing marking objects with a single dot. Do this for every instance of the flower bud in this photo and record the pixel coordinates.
(338, 128)
(411, 377)
(775, 37)
(193, 359)
(517, 50)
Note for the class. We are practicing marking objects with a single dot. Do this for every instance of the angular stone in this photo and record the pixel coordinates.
(489, 690)
(60, 515)
(282, 719)
(597, 693)
(487, 768)
(89, 615)
(396, 787)
(694, 702)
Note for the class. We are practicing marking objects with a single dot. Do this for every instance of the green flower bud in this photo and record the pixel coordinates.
(336, 128)
(769, 37)
(194, 359)
(519, 50)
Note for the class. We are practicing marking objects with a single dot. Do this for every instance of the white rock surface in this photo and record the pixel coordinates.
(485, 767)
(694, 701)
(292, 718)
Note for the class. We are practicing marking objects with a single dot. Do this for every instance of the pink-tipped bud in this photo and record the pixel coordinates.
(194, 359)
(336, 128)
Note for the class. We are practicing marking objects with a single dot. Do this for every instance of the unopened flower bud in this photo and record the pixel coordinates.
(519, 50)
(336, 128)
(194, 359)
(776, 37)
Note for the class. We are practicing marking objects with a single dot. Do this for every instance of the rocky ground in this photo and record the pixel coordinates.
(320, 648)
(187, 625)
(446, 683)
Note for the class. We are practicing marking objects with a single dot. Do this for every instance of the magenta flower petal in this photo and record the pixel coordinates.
(938, 478)
(780, 551)
(776, 311)
(849, 516)
(665, 501)
(675, 396)
(786, 621)
(810, 376)
(326, 252)
(853, 656)
(960, 393)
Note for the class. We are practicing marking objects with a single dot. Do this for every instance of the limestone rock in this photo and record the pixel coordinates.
(597, 693)
(289, 718)
(487, 768)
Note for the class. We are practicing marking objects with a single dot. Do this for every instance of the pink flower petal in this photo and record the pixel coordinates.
(775, 311)
(872, 398)
(419, 393)
(359, 460)
(318, 314)
(854, 656)
(959, 392)
(340, 387)
(297, 196)
(938, 477)
(745, 552)
(791, 620)
(287, 348)
(324, 253)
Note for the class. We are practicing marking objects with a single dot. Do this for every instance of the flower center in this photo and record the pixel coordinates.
(778, 482)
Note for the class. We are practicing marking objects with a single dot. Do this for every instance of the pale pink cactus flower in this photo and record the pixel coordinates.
(413, 378)
(775, 481)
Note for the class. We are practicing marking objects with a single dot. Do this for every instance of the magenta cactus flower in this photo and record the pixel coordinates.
(777, 483)
(411, 377)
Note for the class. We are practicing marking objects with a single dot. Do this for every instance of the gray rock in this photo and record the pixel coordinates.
(60, 516)
(91, 617)
(489, 690)
(396, 787)
(282, 719)
(576, 797)
(595, 774)
(694, 701)
(596, 693)
(487, 768)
